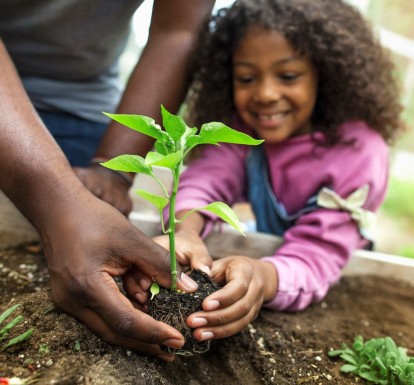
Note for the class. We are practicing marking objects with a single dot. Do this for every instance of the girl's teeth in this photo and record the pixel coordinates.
(270, 117)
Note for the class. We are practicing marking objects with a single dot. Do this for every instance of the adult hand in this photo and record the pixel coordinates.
(85, 250)
(190, 251)
(106, 185)
(248, 283)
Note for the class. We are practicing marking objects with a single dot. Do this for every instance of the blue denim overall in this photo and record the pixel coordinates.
(78, 138)
(271, 215)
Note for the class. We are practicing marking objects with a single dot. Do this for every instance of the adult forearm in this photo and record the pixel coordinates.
(161, 75)
(31, 165)
(158, 79)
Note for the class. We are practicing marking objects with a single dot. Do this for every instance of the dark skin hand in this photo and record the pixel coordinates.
(106, 185)
(86, 241)
(175, 26)
(84, 253)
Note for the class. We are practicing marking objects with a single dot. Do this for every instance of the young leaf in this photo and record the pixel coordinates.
(224, 212)
(140, 123)
(154, 289)
(216, 132)
(128, 163)
(11, 325)
(157, 200)
(7, 312)
(347, 368)
(20, 338)
(173, 124)
(168, 161)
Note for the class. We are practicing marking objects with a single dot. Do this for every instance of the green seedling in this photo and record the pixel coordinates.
(77, 346)
(5, 330)
(172, 145)
(379, 361)
(44, 349)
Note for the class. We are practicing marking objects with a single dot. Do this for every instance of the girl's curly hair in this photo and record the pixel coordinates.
(355, 74)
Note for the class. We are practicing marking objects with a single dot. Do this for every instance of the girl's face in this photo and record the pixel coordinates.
(274, 87)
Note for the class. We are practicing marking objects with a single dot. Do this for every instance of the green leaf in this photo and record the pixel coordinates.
(20, 338)
(216, 132)
(349, 368)
(173, 124)
(143, 124)
(168, 161)
(7, 312)
(11, 325)
(157, 200)
(154, 289)
(350, 357)
(128, 163)
(224, 212)
(44, 349)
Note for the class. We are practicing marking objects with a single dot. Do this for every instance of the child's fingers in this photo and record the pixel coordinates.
(163, 241)
(224, 322)
(239, 304)
(237, 274)
(194, 255)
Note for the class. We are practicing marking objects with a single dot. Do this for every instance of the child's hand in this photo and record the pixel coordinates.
(248, 283)
(189, 249)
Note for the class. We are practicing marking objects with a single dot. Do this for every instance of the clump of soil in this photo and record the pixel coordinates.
(277, 348)
(173, 308)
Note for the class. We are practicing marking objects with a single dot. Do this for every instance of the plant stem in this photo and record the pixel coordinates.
(171, 227)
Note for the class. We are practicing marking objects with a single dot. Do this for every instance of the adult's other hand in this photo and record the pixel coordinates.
(107, 185)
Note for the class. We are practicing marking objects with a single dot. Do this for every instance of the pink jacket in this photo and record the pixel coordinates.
(320, 243)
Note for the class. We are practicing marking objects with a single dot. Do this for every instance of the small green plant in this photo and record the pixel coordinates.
(5, 330)
(44, 349)
(379, 361)
(172, 145)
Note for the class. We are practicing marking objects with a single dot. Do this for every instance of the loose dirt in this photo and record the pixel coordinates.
(277, 348)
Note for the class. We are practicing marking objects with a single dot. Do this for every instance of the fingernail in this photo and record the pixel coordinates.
(174, 343)
(212, 305)
(198, 321)
(206, 336)
(206, 269)
(188, 282)
(145, 284)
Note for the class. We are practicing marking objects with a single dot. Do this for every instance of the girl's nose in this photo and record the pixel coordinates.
(267, 91)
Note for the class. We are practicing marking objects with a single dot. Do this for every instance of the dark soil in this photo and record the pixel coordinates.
(173, 308)
(277, 348)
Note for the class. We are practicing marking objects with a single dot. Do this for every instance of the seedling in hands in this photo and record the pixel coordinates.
(172, 146)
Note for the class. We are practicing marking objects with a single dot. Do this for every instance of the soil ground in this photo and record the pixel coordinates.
(277, 348)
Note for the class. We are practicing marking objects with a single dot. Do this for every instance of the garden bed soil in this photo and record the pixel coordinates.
(277, 348)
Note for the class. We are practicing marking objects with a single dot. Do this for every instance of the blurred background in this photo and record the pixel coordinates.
(393, 21)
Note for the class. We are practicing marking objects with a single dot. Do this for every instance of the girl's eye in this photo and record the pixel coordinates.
(289, 76)
(244, 79)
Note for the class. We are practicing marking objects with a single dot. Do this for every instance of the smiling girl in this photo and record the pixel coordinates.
(310, 78)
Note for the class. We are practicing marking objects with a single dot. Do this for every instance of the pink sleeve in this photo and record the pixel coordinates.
(318, 246)
(311, 258)
(218, 175)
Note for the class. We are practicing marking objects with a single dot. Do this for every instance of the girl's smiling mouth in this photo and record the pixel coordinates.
(270, 119)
